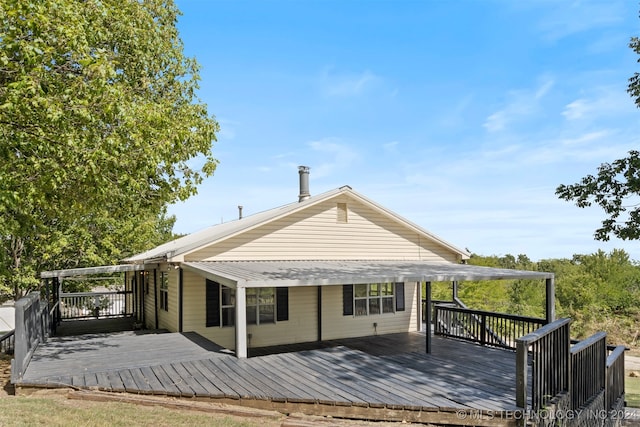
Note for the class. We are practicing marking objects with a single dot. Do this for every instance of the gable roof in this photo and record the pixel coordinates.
(177, 248)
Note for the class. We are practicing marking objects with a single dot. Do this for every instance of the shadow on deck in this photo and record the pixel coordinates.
(68, 328)
(385, 377)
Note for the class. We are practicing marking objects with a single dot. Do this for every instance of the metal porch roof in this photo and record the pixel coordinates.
(103, 269)
(318, 273)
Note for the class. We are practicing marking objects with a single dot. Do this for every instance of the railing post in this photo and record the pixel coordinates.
(521, 374)
(429, 318)
(550, 309)
(483, 329)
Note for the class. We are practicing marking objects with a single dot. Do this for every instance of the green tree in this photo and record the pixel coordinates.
(616, 186)
(100, 130)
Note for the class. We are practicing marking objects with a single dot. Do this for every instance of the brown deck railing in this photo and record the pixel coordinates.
(84, 305)
(483, 327)
(547, 350)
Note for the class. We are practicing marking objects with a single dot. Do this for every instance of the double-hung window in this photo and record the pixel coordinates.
(373, 298)
(263, 305)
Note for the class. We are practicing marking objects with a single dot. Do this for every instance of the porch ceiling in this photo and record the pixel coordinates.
(318, 273)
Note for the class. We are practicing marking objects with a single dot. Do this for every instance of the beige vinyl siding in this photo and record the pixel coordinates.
(149, 303)
(301, 326)
(335, 325)
(317, 233)
(169, 319)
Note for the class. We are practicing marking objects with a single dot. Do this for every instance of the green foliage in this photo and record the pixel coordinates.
(615, 189)
(616, 186)
(524, 297)
(101, 129)
(599, 291)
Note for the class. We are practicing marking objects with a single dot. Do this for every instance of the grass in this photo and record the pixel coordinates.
(632, 391)
(51, 411)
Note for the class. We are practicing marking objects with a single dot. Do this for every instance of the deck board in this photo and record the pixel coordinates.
(391, 371)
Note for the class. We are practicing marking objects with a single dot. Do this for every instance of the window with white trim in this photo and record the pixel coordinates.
(264, 305)
(372, 298)
(261, 304)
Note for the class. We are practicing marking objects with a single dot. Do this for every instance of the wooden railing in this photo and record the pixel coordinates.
(32, 327)
(579, 383)
(483, 327)
(614, 398)
(84, 305)
(588, 369)
(7, 342)
(548, 351)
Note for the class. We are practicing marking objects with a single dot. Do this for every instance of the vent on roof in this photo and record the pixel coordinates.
(341, 213)
(304, 183)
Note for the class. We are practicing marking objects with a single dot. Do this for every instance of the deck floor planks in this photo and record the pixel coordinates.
(406, 382)
(141, 381)
(178, 381)
(240, 388)
(372, 371)
(317, 382)
(103, 381)
(91, 380)
(115, 381)
(353, 384)
(223, 389)
(202, 379)
(281, 373)
(464, 387)
(252, 382)
(128, 381)
(168, 385)
(378, 377)
(278, 380)
(190, 379)
(334, 383)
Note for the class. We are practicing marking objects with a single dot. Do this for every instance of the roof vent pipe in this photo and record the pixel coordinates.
(239, 211)
(304, 183)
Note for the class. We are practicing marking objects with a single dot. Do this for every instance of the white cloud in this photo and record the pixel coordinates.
(227, 128)
(334, 155)
(603, 102)
(521, 104)
(347, 84)
(568, 18)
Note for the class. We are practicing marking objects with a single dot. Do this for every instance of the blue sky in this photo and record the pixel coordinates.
(461, 116)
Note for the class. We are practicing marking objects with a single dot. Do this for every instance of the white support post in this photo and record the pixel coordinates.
(241, 321)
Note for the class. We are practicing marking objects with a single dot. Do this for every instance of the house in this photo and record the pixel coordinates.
(329, 266)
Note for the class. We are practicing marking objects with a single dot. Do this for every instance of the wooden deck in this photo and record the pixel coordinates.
(381, 377)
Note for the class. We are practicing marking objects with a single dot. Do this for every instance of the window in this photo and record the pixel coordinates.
(164, 291)
(372, 298)
(261, 304)
(264, 305)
